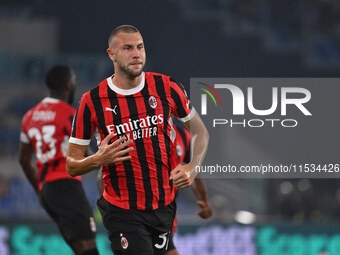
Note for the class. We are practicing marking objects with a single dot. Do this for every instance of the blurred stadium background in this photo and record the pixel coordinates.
(202, 38)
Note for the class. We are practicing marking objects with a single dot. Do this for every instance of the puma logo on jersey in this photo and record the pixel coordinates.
(110, 109)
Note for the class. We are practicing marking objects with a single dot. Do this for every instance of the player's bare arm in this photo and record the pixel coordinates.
(78, 164)
(184, 175)
(25, 158)
(201, 193)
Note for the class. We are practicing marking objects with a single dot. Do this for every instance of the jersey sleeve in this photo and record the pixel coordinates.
(187, 147)
(24, 132)
(181, 103)
(82, 126)
(68, 122)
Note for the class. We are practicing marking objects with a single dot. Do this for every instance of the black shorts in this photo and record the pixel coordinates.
(136, 231)
(171, 245)
(66, 203)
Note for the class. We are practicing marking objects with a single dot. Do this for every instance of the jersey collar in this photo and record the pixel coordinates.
(50, 100)
(126, 92)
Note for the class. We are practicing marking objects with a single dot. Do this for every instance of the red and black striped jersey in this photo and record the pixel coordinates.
(142, 114)
(182, 142)
(47, 127)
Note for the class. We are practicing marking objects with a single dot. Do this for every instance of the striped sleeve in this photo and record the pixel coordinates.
(24, 132)
(181, 103)
(24, 138)
(82, 126)
(187, 146)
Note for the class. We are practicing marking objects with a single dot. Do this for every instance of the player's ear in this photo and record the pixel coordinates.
(111, 54)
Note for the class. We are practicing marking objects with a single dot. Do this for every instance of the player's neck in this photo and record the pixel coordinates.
(58, 96)
(124, 81)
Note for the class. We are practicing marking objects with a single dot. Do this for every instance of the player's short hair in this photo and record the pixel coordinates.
(57, 77)
(129, 29)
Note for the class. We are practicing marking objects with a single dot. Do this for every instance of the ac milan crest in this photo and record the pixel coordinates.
(124, 242)
(153, 102)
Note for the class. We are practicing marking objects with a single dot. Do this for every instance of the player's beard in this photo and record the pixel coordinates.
(130, 73)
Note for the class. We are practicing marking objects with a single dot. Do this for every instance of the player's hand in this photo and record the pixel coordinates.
(206, 211)
(112, 153)
(181, 176)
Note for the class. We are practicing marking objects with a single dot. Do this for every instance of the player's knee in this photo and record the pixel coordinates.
(172, 252)
(84, 247)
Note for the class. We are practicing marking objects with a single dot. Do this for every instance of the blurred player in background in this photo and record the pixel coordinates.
(182, 142)
(130, 114)
(45, 132)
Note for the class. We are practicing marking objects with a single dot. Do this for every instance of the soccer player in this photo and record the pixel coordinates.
(45, 132)
(130, 115)
(182, 143)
